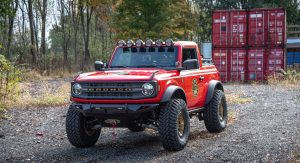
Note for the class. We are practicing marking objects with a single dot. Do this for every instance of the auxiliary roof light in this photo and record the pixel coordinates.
(159, 42)
(169, 42)
(139, 43)
(149, 42)
(121, 43)
(130, 43)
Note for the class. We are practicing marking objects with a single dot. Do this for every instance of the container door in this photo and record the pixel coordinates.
(238, 22)
(237, 64)
(276, 27)
(220, 57)
(275, 61)
(256, 28)
(256, 64)
(220, 29)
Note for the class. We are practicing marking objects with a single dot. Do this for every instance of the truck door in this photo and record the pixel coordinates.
(191, 77)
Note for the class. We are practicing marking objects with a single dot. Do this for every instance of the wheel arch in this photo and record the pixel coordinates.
(212, 86)
(173, 91)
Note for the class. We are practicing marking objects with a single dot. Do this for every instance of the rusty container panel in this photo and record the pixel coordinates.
(238, 28)
(220, 28)
(256, 64)
(275, 62)
(256, 28)
(220, 59)
(237, 62)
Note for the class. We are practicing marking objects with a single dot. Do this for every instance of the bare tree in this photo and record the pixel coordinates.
(42, 8)
(32, 34)
(11, 19)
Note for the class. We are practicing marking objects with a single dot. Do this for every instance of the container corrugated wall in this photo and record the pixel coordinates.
(248, 45)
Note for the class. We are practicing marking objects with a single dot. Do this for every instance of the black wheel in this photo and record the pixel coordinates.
(215, 115)
(174, 125)
(134, 127)
(78, 130)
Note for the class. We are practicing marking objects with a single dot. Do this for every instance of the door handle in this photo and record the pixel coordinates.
(201, 78)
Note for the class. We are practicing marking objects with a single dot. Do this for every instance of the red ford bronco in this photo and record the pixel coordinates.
(158, 85)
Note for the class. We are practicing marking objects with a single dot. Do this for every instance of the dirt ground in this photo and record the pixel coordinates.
(264, 128)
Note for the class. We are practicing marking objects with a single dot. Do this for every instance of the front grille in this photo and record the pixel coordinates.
(120, 90)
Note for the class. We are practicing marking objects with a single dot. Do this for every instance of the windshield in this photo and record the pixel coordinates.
(162, 57)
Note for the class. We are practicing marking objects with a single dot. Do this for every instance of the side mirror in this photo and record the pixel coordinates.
(99, 66)
(190, 64)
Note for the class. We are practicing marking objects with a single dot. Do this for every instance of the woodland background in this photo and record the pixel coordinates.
(69, 35)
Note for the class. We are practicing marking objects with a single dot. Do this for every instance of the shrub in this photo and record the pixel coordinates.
(9, 81)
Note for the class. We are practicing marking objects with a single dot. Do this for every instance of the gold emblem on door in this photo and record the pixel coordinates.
(195, 87)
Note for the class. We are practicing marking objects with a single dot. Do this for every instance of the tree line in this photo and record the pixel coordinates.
(69, 35)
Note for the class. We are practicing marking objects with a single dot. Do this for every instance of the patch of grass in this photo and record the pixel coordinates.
(232, 115)
(45, 96)
(289, 78)
(237, 99)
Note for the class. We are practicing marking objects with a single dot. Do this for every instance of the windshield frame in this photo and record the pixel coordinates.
(177, 59)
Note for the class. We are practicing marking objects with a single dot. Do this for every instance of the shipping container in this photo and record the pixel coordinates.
(256, 64)
(229, 28)
(293, 58)
(248, 45)
(238, 28)
(220, 60)
(237, 64)
(275, 61)
(256, 28)
(220, 28)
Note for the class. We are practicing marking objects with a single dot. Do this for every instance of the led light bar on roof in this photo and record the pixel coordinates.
(121, 43)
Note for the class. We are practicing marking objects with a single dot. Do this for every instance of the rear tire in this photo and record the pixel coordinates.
(215, 115)
(174, 125)
(78, 132)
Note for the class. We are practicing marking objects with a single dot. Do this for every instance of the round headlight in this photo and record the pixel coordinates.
(76, 89)
(147, 89)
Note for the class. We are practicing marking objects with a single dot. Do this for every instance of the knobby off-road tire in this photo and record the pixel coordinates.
(215, 115)
(134, 127)
(77, 132)
(171, 114)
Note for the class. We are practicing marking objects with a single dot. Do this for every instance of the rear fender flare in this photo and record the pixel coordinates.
(172, 91)
(212, 86)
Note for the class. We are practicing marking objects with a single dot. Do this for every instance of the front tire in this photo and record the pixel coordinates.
(78, 132)
(215, 115)
(174, 125)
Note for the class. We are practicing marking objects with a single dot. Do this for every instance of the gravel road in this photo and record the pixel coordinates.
(267, 129)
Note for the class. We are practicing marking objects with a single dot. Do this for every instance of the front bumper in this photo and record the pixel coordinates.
(125, 113)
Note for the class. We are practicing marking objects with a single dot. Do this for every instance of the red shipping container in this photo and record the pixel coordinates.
(256, 66)
(220, 59)
(238, 28)
(275, 61)
(256, 28)
(237, 64)
(220, 28)
(276, 27)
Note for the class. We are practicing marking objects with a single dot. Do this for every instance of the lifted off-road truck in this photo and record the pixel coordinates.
(158, 85)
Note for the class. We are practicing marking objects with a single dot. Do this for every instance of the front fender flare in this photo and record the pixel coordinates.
(212, 86)
(170, 92)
